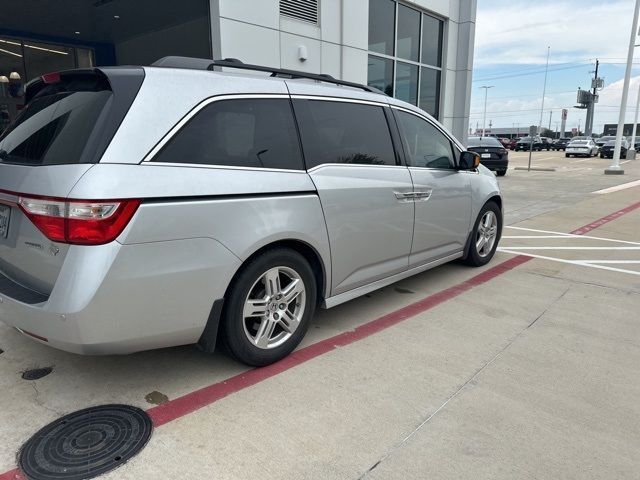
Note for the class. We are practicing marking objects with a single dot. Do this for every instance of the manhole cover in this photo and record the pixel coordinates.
(86, 443)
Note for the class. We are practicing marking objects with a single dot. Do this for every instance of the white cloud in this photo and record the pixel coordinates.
(521, 31)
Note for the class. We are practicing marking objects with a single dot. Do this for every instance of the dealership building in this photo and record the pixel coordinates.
(419, 51)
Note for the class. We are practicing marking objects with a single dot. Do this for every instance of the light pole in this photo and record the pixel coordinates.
(544, 90)
(631, 152)
(614, 168)
(484, 116)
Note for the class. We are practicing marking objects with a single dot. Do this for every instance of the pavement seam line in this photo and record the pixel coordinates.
(455, 394)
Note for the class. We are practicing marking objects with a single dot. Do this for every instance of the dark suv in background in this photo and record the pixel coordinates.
(493, 154)
(561, 144)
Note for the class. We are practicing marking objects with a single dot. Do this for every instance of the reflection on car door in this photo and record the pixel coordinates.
(442, 193)
(365, 194)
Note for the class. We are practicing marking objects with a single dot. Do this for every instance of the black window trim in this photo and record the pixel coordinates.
(149, 157)
(456, 148)
(398, 153)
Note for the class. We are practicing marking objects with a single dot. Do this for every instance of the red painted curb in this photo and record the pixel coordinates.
(205, 396)
(12, 475)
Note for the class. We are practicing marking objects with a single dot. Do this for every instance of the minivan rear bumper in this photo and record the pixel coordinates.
(118, 299)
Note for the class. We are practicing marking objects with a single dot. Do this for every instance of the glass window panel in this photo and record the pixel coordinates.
(12, 80)
(408, 33)
(381, 26)
(407, 82)
(41, 58)
(432, 40)
(341, 132)
(239, 133)
(424, 144)
(85, 57)
(380, 74)
(430, 91)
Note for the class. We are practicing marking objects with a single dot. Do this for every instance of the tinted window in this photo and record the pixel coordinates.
(381, 26)
(57, 123)
(238, 133)
(431, 40)
(483, 141)
(380, 74)
(407, 82)
(408, 33)
(340, 132)
(424, 144)
(430, 91)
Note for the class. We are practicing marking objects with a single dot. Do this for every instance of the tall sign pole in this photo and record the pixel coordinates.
(615, 168)
(563, 125)
(544, 91)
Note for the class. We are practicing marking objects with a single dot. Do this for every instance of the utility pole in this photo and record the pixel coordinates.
(550, 113)
(588, 124)
(544, 90)
(614, 168)
(631, 152)
(484, 116)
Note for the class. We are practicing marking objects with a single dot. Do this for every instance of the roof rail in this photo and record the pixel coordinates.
(207, 64)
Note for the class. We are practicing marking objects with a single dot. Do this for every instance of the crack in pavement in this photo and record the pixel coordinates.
(402, 442)
(40, 403)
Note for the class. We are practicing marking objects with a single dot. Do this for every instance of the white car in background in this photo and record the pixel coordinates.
(581, 148)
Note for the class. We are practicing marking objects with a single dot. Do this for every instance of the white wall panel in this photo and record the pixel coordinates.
(258, 12)
(249, 43)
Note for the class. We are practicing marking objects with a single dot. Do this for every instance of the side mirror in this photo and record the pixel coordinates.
(468, 161)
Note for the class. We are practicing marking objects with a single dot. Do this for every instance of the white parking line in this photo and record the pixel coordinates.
(570, 235)
(582, 263)
(618, 187)
(524, 247)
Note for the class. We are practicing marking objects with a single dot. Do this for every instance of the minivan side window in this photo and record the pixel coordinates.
(258, 133)
(424, 144)
(344, 132)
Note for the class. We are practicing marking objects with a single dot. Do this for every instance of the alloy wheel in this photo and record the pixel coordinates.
(274, 307)
(487, 233)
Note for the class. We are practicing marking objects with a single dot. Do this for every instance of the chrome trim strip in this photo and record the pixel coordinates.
(339, 99)
(351, 165)
(357, 292)
(199, 107)
(220, 167)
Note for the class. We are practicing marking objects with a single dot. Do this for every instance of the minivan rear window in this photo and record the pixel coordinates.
(57, 123)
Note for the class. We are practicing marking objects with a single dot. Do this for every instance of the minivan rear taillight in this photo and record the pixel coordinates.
(79, 222)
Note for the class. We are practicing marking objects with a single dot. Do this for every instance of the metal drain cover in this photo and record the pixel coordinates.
(86, 443)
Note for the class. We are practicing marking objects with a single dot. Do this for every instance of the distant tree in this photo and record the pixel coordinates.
(548, 133)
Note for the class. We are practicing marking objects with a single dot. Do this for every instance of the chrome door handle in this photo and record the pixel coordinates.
(422, 195)
(404, 196)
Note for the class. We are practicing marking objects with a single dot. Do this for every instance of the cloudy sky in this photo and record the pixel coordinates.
(510, 53)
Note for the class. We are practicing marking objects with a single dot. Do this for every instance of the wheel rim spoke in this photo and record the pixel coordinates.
(255, 308)
(265, 331)
(272, 282)
(291, 291)
(289, 321)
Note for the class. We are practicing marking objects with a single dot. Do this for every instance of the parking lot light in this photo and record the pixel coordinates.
(615, 168)
(484, 116)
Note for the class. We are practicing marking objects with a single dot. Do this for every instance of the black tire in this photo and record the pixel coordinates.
(601, 156)
(473, 258)
(233, 322)
(567, 155)
(501, 173)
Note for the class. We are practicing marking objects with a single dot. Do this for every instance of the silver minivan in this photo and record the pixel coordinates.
(148, 207)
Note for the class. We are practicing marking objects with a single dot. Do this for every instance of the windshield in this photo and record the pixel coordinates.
(55, 126)
(579, 142)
